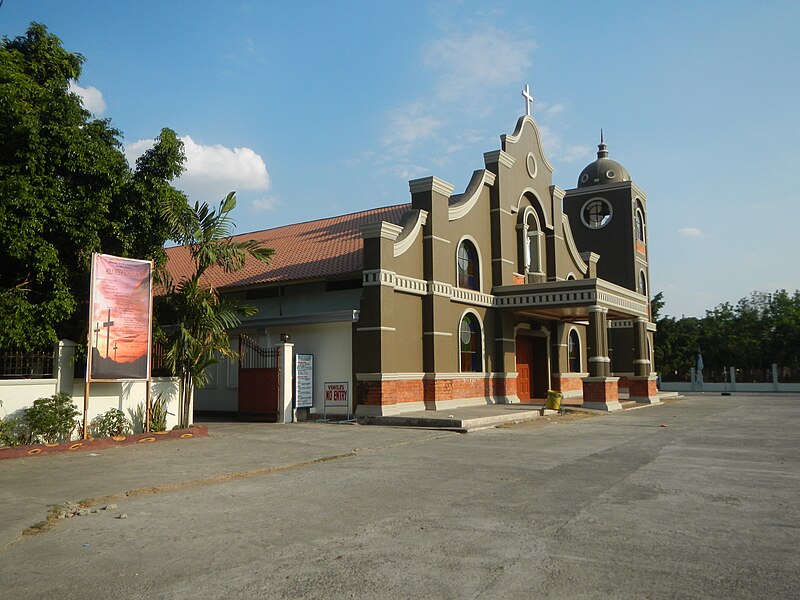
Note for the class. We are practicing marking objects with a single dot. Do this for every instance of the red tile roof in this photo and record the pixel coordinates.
(311, 250)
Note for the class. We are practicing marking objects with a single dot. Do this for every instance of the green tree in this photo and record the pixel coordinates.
(676, 344)
(197, 316)
(783, 317)
(760, 329)
(67, 191)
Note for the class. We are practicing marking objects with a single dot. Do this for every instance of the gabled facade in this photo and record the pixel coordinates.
(498, 294)
(490, 295)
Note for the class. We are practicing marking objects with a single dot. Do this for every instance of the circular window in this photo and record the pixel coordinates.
(596, 213)
(584, 178)
(610, 174)
(531, 164)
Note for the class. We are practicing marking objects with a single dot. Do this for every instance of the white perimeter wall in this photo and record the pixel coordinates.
(18, 394)
(332, 347)
(330, 343)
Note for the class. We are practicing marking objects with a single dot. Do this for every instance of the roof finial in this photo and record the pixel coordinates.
(602, 150)
(526, 93)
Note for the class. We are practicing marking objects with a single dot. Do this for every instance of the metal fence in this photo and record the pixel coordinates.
(785, 375)
(254, 356)
(15, 364)
(158, 365)
(26, 365)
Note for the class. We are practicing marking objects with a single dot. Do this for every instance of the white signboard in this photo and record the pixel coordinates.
(304, 380)
(336, 393)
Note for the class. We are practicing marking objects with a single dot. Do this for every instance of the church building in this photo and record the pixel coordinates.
(494, 295)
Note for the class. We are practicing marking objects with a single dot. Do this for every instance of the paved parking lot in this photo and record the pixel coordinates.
(694, 498)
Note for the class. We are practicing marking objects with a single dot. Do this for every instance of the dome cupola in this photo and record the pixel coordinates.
(603, 170)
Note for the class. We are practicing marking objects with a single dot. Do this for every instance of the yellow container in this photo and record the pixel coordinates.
(553, 400)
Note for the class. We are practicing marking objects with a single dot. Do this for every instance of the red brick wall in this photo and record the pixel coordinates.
(624, 382)
(643, 388)
(600, 391)
(382, 393)
(387, 392)
(502, 386)
(567, 384)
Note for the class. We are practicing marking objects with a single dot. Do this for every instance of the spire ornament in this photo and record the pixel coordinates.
(526, 93)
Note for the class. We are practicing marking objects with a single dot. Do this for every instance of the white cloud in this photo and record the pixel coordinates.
(409, 171)
(410, 124)
(218, 163)
(690, 232)
(135, 149)
(556, 148)
(213, 171)
(469, 69)
(265, 204)
(478, 61)
(548, 110)
(92, 98)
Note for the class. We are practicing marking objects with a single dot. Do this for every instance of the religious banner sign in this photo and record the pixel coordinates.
(120, 319)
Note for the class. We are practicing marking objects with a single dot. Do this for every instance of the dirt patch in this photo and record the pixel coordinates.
(568, 417)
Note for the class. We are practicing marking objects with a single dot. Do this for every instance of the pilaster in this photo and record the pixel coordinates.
(643, 389)
(285, 380)
(601, 393)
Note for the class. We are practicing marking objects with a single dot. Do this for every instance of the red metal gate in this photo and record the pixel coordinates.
(258, 381)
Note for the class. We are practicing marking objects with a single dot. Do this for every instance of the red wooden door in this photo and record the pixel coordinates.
(258, 381)
(524, 360)
(258, 394)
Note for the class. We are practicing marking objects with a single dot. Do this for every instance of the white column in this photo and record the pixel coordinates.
(774, 377)
(285, 391)
(64, 369)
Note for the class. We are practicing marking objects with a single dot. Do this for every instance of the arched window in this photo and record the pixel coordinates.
(530, 243)
(574, 351)
(470, 343)
(468, 273)
(533, 252)
(639, 225)
(642, 288)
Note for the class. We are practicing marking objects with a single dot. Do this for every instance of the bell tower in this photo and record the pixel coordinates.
(608, 216)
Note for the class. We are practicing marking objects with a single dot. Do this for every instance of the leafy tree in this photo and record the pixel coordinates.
(783, 317)
(199, 315)
(67, 191)
(760, 329)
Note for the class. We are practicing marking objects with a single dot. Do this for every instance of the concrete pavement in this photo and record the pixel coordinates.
(693, 498)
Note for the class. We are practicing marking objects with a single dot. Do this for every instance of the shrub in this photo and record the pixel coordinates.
(50, 419)
(158, 414)
(8, 432)
(110, 423)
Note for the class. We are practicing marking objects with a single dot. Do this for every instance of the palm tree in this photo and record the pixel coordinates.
(201, 317)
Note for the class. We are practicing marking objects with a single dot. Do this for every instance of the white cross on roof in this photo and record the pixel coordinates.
(528, 99)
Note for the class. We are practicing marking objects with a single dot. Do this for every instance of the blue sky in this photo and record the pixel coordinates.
(313, 109)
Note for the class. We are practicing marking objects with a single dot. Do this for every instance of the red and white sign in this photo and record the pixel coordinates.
(336, 393)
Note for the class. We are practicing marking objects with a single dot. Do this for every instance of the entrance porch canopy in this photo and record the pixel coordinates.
(570, 300)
